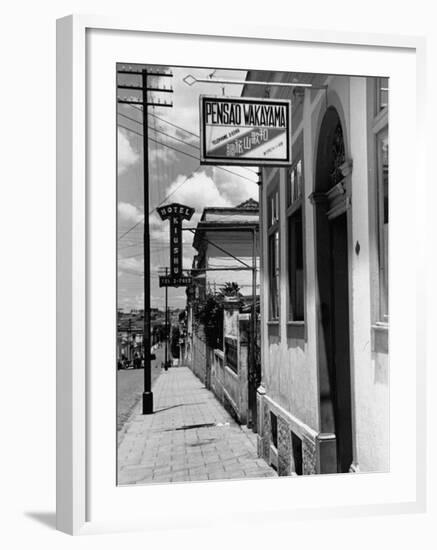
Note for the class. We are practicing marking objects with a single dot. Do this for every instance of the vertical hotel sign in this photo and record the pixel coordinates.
(176, 213)
(255, 132)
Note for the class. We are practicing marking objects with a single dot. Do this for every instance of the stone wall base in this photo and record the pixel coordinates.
(288, 444)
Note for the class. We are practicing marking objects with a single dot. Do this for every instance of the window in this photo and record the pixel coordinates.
(382, 217)
(274, 274)
(296, 444)
(381, 94)
(273, 253)
(294, 187)
(295, 268)
(273, 208)
(295, 244)
(274, 429)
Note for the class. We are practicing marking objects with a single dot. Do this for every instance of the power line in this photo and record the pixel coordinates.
(178, 187)
(196, 147)
(174, 149)
(185, 153)
(161, 132)
(141, 253)
(153, 249)
(175, 125)
(164, 199)
(165, 144)
(168, 122)
(182, 129)
(129, 230)
(138, 243)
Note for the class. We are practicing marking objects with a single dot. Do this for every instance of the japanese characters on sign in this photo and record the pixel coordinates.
(176, 213)
(247, 131)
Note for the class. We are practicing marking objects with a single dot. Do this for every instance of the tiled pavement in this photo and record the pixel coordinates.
(190, 437)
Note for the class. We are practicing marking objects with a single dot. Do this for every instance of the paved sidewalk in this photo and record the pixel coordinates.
(190, 437)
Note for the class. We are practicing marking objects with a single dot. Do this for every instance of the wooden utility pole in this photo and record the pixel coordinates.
(145, 103)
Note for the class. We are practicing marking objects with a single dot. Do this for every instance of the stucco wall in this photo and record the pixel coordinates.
(290, 373)
(369, 370)
(199, 357)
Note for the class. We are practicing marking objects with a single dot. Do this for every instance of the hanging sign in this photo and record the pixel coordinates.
(176, 213)
(168, 280)
(255, 132)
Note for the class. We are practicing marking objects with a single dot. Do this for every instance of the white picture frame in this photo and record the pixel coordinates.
(79, 424)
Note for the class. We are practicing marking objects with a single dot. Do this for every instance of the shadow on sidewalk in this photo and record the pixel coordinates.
(175, 406)
(45, 518)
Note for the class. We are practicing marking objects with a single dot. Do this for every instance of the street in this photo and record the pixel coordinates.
(189, 437)
(130, 383)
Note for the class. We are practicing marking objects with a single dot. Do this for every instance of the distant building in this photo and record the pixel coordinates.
(226, 237)
(130, 330)
(226, 240)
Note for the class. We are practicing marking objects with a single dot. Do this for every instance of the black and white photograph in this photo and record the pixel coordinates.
(252, 274)
(212, 337)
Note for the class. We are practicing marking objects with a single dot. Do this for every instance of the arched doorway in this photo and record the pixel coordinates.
(331, 199)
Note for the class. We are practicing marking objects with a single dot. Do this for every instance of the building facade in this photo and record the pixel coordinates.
(227, 244)
(323, 402)
(226, 241)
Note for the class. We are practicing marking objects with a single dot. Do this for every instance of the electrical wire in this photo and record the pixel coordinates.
(185, 153)
(179, 128)
(165, 199)
(167, 121)
(158, 131)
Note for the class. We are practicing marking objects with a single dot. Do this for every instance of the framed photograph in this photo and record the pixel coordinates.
(238, 275)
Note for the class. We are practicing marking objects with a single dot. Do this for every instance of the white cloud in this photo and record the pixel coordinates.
(185, 112)
(159, 229)
(155, 222)
(187, 261)
(134, 302)
(127, 156)
(159, 153)
(129, 212)
(199, 191)
(131, 265)
(236, 189)
(187, 118)
(139, 301)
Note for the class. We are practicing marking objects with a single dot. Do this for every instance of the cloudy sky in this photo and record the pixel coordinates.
(175, 176)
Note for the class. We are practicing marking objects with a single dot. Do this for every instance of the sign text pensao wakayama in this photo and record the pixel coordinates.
(245, 131)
